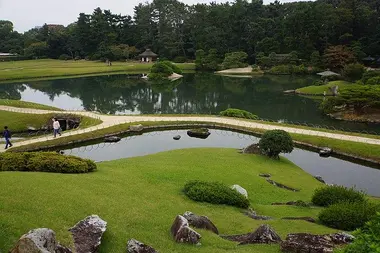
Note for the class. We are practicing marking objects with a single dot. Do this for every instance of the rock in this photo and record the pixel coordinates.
(112, 139)
(135, 246)
(181, 231)
(62, 249)
(292, 203)
(240, 190)
(32, 129)
(289, 91)
(303, 242)
(177, 137)
(265, 175)
(282, 185)
(325, 152)
(309, 219)
(264, 234)
(136, 128)
(202, 222)
(41, 240)
(252, 149)
(87, 234)
(320, 179)
(252, 214)
(201, 133)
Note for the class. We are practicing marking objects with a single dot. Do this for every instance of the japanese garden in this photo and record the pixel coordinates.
(242, 126)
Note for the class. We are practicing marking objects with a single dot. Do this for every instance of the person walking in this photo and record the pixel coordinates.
(7, 136)
(56, 127)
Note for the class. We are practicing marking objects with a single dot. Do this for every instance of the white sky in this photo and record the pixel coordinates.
(26, 14)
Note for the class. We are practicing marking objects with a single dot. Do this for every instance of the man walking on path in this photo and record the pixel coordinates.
(7, 136)
(56, 127)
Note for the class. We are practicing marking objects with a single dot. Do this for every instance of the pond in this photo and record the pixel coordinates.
(199, 93)
(332, 170)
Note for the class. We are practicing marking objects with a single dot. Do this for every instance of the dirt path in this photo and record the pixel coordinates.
(112, 120)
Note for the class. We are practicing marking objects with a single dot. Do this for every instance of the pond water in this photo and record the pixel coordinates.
(200, 93)
(332, 170)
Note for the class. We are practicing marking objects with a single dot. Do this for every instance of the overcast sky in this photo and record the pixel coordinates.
(26, 14)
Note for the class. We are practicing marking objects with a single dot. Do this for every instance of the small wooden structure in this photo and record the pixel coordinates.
(148, 56)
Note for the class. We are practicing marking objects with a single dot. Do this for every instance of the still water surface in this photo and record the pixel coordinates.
(332, 170)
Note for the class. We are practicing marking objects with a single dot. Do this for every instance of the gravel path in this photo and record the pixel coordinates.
(112, 120)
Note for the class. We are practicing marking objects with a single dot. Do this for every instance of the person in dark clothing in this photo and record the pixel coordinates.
(7, 136)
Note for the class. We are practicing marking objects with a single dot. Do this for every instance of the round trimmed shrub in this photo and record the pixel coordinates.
(348, 216)
(237, 113)
(64, 57)
(215, 193)
(274, 142)
(329, 195)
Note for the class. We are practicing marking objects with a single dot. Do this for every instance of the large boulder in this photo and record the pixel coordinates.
(112, 139)
(303, 242)
(135, 246)
(136, 128)
(62, 249)
(202, 222)
(264, 234)
(201, 133)
(87, 234)
(252, 149)
(40, 240)
(181, 231)
(240, 190)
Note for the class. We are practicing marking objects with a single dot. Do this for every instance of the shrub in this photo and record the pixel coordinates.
(237, 113)
(235, 60)
(64, 57)
(370, 74)
(45, 162)
(288, 70)
(373, 81)
(353, 71)
(367, 239)
(174, 67)
(274, 142)
(348, 215)
(215, 193)
(329, 195)
(160, 70)
(180, 59)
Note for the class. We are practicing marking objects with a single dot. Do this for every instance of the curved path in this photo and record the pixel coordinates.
(112, 120)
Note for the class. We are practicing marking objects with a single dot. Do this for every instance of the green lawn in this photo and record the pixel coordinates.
(319, 90)
(36, 69)
(18, 122)
(140, 197)
(24, 104)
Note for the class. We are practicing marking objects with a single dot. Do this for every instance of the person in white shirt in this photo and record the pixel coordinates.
(56, 127)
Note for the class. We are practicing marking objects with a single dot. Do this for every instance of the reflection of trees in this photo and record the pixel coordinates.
(11, 91)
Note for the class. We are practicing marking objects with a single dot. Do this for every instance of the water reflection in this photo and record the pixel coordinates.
(200, 93)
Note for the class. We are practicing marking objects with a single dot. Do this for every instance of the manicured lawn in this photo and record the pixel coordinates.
(140, 197)
(319, 90)
(32, 69)
(24, 104)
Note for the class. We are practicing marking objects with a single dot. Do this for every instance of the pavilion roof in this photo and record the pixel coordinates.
(327, 73)
(148, 53)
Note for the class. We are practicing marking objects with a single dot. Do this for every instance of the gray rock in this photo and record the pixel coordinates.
(41, 240)
(202, 222)
(181, 231)
(201, 133)
(252, 149)
(62, 249)
(304, 242)
(325, 152)
(87, 234)
(240, 190)
(252, 214)
(177, 137)
(264, 234)
(112, 139)
(265, 175)
(135, 246)
(136, 128)
(320, 179)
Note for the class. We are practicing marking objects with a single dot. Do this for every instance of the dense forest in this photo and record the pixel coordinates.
(175, 30)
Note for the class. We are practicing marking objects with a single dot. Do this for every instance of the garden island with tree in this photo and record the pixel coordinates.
(189, 200)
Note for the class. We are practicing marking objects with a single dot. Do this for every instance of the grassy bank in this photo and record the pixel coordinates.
(319, 90)
(37, 69)
(140, 197)
(24, 104)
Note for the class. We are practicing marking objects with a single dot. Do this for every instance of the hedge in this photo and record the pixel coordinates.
(45, 162)
(334, 194)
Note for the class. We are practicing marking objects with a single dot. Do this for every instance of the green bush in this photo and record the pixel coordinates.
(373, 81)
(288, 70)
(45, 162)
(353, 71)
(215, 193)
(367, 239)
(348, 216)
(237, 113)
(370, 74)
(180, 59)
(235, 60)
(274, 142)
(64, 57)
(174, 67)
(329, 195)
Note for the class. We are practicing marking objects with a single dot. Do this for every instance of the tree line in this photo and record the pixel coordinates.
(175, 30)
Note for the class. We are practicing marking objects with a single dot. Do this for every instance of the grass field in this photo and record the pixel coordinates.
(37, 69)
(140, 197)
(319, 90)
(24, 104)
